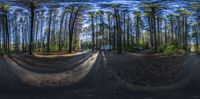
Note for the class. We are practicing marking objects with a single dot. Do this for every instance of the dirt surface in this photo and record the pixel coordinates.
(31, 59)
(51, 65)
(147, 71)
(100, 83)
(55, 54)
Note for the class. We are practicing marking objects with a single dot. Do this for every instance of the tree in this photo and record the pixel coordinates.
(4, 8)
(41, 16)
(32, 5)
(124, 21)
(166, 27)
(92, 15)
(196, 35)
(74, 11)
(32, 8)
(73, 16)
(16, 34)
(196, 28)
(138, 24)
(184, 14)
(109, 16)
(159, 24)
(101, 29)
(117, 25)
(152, 9)
(147, 14)
(128, 30)
(61, 25)
(171, 18)
(49, 31)
(118, 28)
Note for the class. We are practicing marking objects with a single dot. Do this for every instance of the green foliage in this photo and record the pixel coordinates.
(170, 50)
(4, 7)
(143, 45)
(181, 51)
(160, 50)
(184, 12)
(134, 47)
(86, 45)
(175, 43)
(54, 47)
(1, 52)
(129, 49)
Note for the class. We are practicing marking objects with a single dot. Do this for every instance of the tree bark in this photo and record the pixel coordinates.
(31, 33)
(61, 23)
(49, 32)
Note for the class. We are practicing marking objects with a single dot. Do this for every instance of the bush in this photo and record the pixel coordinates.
(54, 47)
(1, 52)
(134, 47)
(143, 45)
(181, 51)
(198, 53)
(170, 50)
(160, 50)
(129, 49)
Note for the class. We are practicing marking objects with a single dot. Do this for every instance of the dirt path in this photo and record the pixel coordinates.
(8, 82)
(43, 65)
(193, 86)
(100, 83)
(189, 87)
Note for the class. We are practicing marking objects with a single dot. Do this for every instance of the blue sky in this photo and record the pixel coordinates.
(132, 5)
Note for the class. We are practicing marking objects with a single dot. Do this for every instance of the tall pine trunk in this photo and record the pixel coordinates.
(31, 33)
(49, 32)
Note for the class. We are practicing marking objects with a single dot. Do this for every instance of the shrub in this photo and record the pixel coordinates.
(143, 45)
(134, 47)
(160, 50)
(129, 49)
(181, 51)
(54, 47)
(170, 50)
(1, 52)
(198, 53)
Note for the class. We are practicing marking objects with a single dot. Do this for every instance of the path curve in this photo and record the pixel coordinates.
(52, 79)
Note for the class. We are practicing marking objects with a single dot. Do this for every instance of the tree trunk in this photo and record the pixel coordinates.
(158, 29)
(151, 33)
(128, 30)
(154, 30)
(93, 43)
(61, 23)
(124, 37)
(109, 35)
(72, 21)
(32, 22)
(49, 32)
(7, 34)
(119, 39)
(186, 33)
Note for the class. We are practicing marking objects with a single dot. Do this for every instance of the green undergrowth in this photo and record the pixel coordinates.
(171, 50)
(134, 47)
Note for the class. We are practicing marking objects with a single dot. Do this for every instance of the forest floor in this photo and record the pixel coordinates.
(52, 58)
(51, 63)
(147, 70)
(107, 77)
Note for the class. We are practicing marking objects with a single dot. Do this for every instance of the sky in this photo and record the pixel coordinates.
(132, 5)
